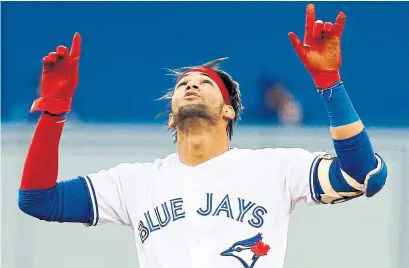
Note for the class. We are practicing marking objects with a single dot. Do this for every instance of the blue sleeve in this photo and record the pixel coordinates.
(356, 156)
(339, 107)
(68, 201)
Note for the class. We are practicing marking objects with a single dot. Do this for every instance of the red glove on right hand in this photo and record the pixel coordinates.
(321, 50)
(59, 79)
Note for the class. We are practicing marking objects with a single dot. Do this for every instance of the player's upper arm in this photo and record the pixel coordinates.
(294, 167)
(107, 195)
(318, 178)
(116, 190)
(299, 174)
(91, 199)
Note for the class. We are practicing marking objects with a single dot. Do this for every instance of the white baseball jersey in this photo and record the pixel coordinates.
(231, 211)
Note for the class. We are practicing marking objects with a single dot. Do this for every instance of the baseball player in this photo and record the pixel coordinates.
(194, 208)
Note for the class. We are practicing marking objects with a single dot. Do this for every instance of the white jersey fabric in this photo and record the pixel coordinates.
(231, 211)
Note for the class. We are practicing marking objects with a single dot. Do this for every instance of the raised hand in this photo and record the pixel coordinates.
(59, 79)
(321, 50)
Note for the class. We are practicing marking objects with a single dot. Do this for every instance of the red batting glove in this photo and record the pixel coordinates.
(59, 79)
(321, 50)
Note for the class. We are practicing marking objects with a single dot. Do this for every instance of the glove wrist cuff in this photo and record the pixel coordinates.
(51, 105)
(324, 80)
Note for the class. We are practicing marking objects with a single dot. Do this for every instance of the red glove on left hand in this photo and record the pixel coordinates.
(321, 50)
(59, 79)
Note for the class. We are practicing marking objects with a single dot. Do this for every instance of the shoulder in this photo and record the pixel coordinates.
(129, 169)
(271, 152)
(276, 156)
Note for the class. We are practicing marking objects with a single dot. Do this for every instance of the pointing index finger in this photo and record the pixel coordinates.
(76, 46)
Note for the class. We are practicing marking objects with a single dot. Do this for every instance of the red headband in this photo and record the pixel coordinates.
(215, 77)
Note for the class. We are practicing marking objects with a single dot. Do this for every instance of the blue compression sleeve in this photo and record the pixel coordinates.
(356, 156)
(338, 105)
(68, 201)
(348, 151)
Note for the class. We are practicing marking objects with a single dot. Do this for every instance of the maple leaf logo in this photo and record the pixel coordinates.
(260, 249)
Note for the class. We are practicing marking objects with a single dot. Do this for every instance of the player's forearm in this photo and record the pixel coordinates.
(41, 164)
(351, 143)
(346, 131)
(344, 120)
(40, 195)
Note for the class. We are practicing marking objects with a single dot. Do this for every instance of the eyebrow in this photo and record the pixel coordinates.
(190, 73)
(201, 74)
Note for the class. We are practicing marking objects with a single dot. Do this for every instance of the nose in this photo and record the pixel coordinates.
(192, 84)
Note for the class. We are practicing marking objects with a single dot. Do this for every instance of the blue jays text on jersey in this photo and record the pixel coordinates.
(240, 210)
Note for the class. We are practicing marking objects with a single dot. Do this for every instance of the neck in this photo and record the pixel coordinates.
(200, 145)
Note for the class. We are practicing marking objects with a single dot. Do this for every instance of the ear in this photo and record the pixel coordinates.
(171, 121)
(228, 112)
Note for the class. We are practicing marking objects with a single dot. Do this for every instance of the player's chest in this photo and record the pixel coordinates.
(208, 202)
(209, 192)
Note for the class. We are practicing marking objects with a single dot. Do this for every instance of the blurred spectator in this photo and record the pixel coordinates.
(275, 104)
(280, 100)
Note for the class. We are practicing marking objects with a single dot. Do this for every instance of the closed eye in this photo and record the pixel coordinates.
(207, 82)
(184, 83)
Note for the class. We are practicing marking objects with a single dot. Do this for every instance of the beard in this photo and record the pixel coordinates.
(192, 116)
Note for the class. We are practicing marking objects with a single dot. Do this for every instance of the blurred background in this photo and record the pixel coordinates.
(127, 46)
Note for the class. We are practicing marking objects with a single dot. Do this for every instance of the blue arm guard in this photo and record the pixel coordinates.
(356, 171)
(68, 201)
(331, 185)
